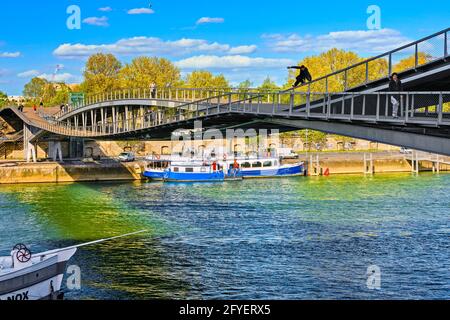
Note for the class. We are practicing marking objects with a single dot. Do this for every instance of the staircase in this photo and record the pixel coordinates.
(16, 139)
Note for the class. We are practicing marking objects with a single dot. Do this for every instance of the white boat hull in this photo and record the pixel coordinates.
(42, 290)
(40, 278)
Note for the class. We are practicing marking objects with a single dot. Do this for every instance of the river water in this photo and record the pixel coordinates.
(294, 238)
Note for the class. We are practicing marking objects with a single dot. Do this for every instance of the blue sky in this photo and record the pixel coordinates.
(241, 39)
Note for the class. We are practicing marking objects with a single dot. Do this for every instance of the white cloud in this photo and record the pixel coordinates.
(97, 21)
(105, 9)
(210, 20)
(28, 74)
(367, 41)
(243, 49)
(231, 62)
(10, 54)
(141, 11)
(150, 46)
(61, 77)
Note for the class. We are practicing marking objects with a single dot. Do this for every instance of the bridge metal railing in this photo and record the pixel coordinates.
(414, 108)
(166, 94)
(408, 57)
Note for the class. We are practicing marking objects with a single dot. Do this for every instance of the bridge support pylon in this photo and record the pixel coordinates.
(55, 150)
(29, 148)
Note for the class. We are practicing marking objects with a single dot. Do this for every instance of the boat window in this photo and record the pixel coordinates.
(203, 169)
(257, 165)
(246, 165)
(189, 170)
(267, 164)
(176, 169)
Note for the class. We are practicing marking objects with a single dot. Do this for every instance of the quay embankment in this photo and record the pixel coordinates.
(73, 171)
(16, 172)
(332, 163)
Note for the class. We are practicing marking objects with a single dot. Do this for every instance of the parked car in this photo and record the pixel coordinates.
(126, 157)
(287, 153)
(406, 150)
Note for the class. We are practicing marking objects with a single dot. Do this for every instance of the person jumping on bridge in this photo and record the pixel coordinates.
(303, 75)
(395, 85)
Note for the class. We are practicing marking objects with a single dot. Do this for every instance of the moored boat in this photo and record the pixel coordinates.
(265, 168)
(27, 276)
(198, 170)
(194, 172)
(24, 276)
(156, 169)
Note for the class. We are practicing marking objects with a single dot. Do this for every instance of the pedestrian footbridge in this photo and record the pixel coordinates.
(351, 102)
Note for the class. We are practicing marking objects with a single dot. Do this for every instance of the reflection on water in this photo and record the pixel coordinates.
(299, 238)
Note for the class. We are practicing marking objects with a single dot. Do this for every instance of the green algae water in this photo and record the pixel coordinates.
(294, 238)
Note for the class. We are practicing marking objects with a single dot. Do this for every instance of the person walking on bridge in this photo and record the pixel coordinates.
(395, 85)
(153, 90)
(303, 75)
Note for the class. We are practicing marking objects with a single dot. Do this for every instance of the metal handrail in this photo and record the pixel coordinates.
(159, 95)
(145, 122)
(389, 54)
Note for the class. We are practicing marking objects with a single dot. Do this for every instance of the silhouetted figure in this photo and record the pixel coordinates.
(395, 85)
(303, 76)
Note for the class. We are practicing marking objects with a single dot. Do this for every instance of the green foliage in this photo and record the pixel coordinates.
(245, 84)
(335, 60)
(144, 71)
(410, 62)
(311, 138)
(205, 79)
(3, 99)
(50, 94)
(35, 89)
(268, 85)
(101, 74)
(61, 95)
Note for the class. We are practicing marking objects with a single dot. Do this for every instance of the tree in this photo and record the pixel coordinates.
(268, 85)
(143, 71)
(35, 89)
(312, 138)
(205, 79)
(101, 74)
(61, 94)
(51, 94)
(335, 60)
(345, 141)
(3, 99)
(245, 84)
(410, 62)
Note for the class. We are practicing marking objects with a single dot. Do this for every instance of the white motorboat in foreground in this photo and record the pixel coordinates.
(24, 276)
(27, 276)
